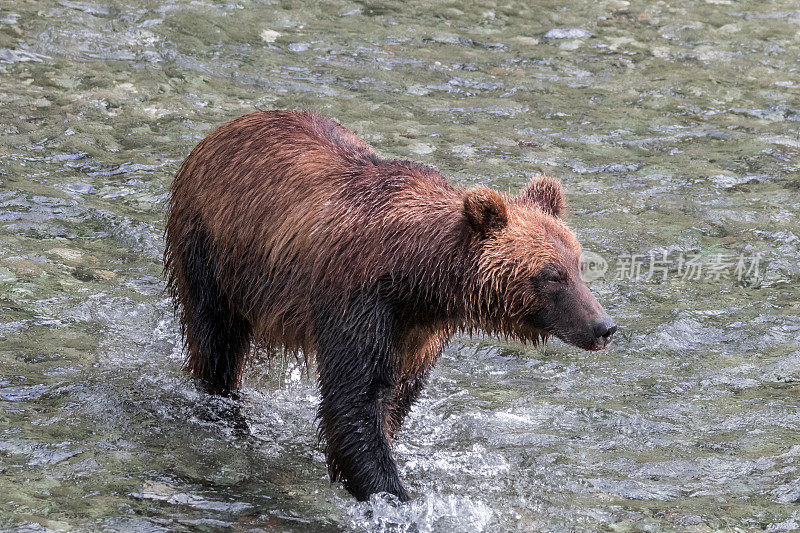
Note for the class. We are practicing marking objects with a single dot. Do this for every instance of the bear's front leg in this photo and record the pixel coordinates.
(399, 405)
(357, 374)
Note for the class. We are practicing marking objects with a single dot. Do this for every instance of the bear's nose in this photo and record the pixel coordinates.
(605, 328)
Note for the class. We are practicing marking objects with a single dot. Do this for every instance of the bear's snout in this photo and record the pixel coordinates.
(603, 330)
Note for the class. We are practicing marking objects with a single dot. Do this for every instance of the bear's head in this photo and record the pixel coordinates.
(529, 269)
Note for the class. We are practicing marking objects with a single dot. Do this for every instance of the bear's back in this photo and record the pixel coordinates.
(274, 175)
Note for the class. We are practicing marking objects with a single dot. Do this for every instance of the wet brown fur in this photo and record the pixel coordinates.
(279, 218)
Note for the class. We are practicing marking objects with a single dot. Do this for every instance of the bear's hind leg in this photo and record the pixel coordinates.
(221, 340)
(217, 337)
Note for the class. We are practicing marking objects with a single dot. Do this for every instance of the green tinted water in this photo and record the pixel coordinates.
(675, 128)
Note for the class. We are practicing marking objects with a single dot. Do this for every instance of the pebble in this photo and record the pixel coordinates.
(104, 274)
(67, 254)
(269, 36)
(422, 148)
(567, 33)
(530, 41)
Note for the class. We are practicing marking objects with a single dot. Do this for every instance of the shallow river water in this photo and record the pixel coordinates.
(675, 129)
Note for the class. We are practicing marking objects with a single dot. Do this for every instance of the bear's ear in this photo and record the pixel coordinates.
(546, 193)
(485, 210)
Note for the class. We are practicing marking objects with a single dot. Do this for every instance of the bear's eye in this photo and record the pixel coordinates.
(551, 276)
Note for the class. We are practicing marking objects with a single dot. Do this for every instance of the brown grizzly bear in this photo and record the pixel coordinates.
(286, 231)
